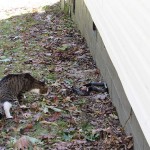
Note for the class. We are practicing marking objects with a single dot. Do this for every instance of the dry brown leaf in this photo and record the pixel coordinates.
(22, 144)
(73, 108)
(29, 126)
(130, 145)
(34, 106)
(79, 142)
(27, 115)
(48, 123)
(54, 117)
(67, 99)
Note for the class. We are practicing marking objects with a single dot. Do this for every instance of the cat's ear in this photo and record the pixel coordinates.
(27, 74)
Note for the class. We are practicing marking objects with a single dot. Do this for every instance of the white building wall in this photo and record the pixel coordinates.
(124, 26)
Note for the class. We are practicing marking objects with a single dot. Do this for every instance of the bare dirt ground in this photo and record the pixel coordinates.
(46, 43)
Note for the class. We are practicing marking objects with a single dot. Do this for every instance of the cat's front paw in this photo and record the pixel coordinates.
(9, 117)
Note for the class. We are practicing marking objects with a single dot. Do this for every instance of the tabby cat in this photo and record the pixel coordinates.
(13, 86)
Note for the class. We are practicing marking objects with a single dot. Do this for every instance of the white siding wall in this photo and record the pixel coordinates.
(124, 26)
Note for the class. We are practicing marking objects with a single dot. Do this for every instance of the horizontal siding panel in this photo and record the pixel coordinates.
(124, 26)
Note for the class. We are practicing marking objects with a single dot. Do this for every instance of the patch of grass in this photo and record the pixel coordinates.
(80, 102)
(46, 8)
(62, 124)
(39, 130)
(51, 77)
(2, 68)
(54, 9)
(6, 27)
(66, 9)
(86, 126)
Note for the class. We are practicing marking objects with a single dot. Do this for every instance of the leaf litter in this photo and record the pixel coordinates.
(49, 46)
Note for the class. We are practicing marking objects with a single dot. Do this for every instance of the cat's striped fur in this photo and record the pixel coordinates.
(13, 86)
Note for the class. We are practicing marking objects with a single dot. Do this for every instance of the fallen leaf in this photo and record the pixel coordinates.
(34, 140)
(64, 47)
(45, 109)
(22, 143)
(58, 69)
(54, 117)
(113, 116)
(47, 136)
(47, 122)
(6, 60)
(73, 108)
(2, 148)
(37, 116)
(79, 142)
(101, 96)
(27, 115)
(29, 126)
(56, 84)
(130, 145)
(34, 105)
(67, 99)
(55, 109)
(62, 145)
